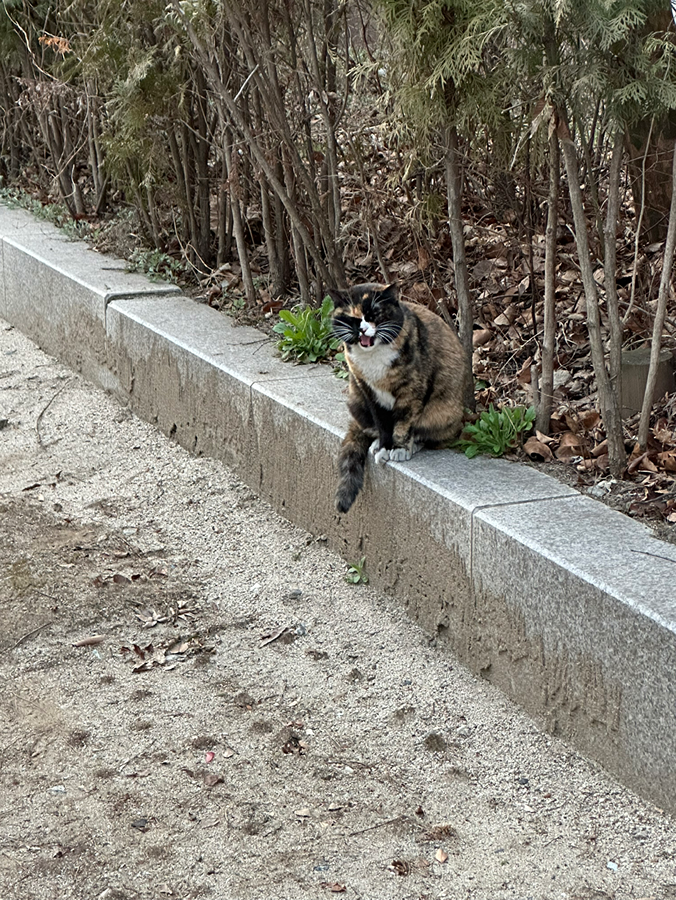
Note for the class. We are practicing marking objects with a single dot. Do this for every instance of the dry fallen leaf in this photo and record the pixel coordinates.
(569, 447)
(400, 867)
(481, 337)
(440, 831)
(537, 451)
(334, 886)
(641, 463)
(523, 376)
(211, 780)
(590, 419)
(667, 460)
(269, 637)
(544, 438)
(90, 641)
(601, 449)
(150, 617)
(441, 855)
(663, 433)
(144, 666)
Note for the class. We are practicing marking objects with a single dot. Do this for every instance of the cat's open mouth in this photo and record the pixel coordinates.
(366, 340)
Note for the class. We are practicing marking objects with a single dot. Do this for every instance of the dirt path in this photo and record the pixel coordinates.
(194, 703)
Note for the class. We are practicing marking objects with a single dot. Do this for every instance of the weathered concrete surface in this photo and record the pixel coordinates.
(558, 600)
(57, 291)
(575, 611)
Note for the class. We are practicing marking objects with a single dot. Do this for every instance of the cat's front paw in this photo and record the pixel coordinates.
(379, 454)
(382, 455)
(401, 454)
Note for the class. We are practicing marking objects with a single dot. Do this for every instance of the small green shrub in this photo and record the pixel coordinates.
(155, 264)
(306, 333)
(495, 431)
(356, 573)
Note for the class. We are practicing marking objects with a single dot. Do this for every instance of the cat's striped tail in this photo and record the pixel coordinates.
(351, 461)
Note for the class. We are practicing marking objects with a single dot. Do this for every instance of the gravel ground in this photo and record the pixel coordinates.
(194, 703)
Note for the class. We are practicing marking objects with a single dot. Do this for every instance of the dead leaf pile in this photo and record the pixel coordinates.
(168, 657)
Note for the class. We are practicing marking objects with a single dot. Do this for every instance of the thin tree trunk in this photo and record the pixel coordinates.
(297, 242)
(67, 158)
(368, 215)
(53, 141)
(544, 408)
(97, 159)
(593, 188)
(224, 217)
(282, 231)
(144, 218)
(203, 186)
(234, 115)
(276, 283)
(610, 410)
(610, 268)
(152, 215)
(465, 314)
(99, 180)
(660, 313)
(238, 227)
(333, 186)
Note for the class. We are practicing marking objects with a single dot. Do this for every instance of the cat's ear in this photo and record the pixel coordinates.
(340, 298)
(390, 293)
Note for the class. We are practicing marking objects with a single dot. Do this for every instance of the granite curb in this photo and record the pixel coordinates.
(567, 605)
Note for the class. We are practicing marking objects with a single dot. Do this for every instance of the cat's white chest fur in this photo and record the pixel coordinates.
(372, 365)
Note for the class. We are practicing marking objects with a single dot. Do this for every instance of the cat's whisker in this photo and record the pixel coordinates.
(343, 332)
(387, 333)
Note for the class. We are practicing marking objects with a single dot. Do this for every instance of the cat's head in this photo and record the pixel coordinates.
(367, 315)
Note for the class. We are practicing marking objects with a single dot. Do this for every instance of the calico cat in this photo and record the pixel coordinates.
(406, 382)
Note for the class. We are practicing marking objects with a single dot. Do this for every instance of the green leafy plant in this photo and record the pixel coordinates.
(340, 370)
(306, 333)
(356, 573)
(155, 264)
(55, 213)
(495, 431)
